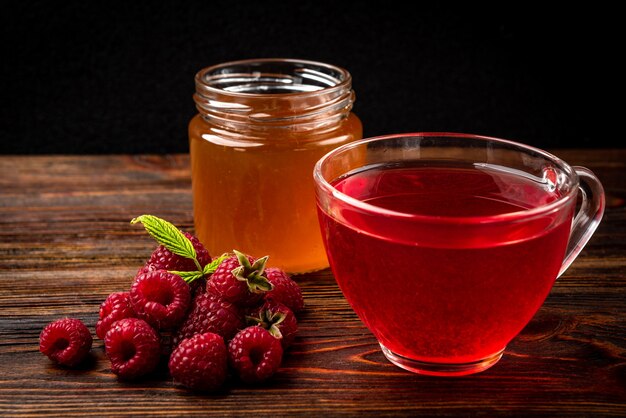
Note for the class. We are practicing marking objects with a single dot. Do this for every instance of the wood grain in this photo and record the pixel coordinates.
(66, 243)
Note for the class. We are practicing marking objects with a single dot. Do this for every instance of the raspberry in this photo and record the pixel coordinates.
(255, 354)
(65, 341)
(239, 279)
(284, 289)
(164, 259)
(133, 348)
(115, 307)
(160, 298)
(278, 319)
(200, 362)
(196, 286)
(210, 313)
(146, 268)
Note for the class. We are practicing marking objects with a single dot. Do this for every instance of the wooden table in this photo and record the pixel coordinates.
(66, 243)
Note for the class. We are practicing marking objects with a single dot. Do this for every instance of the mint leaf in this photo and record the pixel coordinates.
(212, 266)
(167, 235)
(188, 276)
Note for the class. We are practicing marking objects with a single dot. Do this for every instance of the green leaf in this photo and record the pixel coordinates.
(212, 266)
(188, 276)
(167, 235)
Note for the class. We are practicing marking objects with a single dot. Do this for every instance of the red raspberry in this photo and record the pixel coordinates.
(160, 298)
(133, 348)
(65, 341)
(239, 279)
(200, 362)
(284, 289)
(196, 286)
(164, 259)
(278, 319)
(115, 307)
(210, 313)
(255, 354)
(146, 268)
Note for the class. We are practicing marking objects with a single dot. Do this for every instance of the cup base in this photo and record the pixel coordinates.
(441, 369)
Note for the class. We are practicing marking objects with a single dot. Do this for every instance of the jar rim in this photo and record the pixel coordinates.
(273, 92)
(342, 80)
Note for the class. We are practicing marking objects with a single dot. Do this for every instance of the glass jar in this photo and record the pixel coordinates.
(261, 127)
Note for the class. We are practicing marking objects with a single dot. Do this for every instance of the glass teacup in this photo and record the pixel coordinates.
(446, 245)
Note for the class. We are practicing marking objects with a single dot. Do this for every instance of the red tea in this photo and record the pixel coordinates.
(464, 267)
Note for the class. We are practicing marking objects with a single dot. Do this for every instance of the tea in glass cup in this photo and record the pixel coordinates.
(446, 245)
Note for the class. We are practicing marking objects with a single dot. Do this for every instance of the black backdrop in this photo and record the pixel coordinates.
(117, 77)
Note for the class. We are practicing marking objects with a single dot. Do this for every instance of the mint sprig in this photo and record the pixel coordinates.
(170, 237)
(174, 240)
(167, 235)
(212, 266)
(190, 276)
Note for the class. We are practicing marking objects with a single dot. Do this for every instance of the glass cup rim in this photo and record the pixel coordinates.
(526, 214)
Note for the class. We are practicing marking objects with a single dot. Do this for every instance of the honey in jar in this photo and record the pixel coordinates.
(261, 127)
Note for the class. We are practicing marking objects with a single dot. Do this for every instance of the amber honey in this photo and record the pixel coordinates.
(262, 126)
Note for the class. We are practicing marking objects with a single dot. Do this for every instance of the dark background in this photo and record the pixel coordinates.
(96, 77)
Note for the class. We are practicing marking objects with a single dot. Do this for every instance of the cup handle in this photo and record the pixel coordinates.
(588, 217)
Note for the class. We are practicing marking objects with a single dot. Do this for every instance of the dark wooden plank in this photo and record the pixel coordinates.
(65, 243)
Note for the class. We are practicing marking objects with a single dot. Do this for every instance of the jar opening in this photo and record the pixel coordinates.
(272, 76)
(273, 92)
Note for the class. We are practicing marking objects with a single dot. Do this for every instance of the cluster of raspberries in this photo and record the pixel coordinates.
(241, 318)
